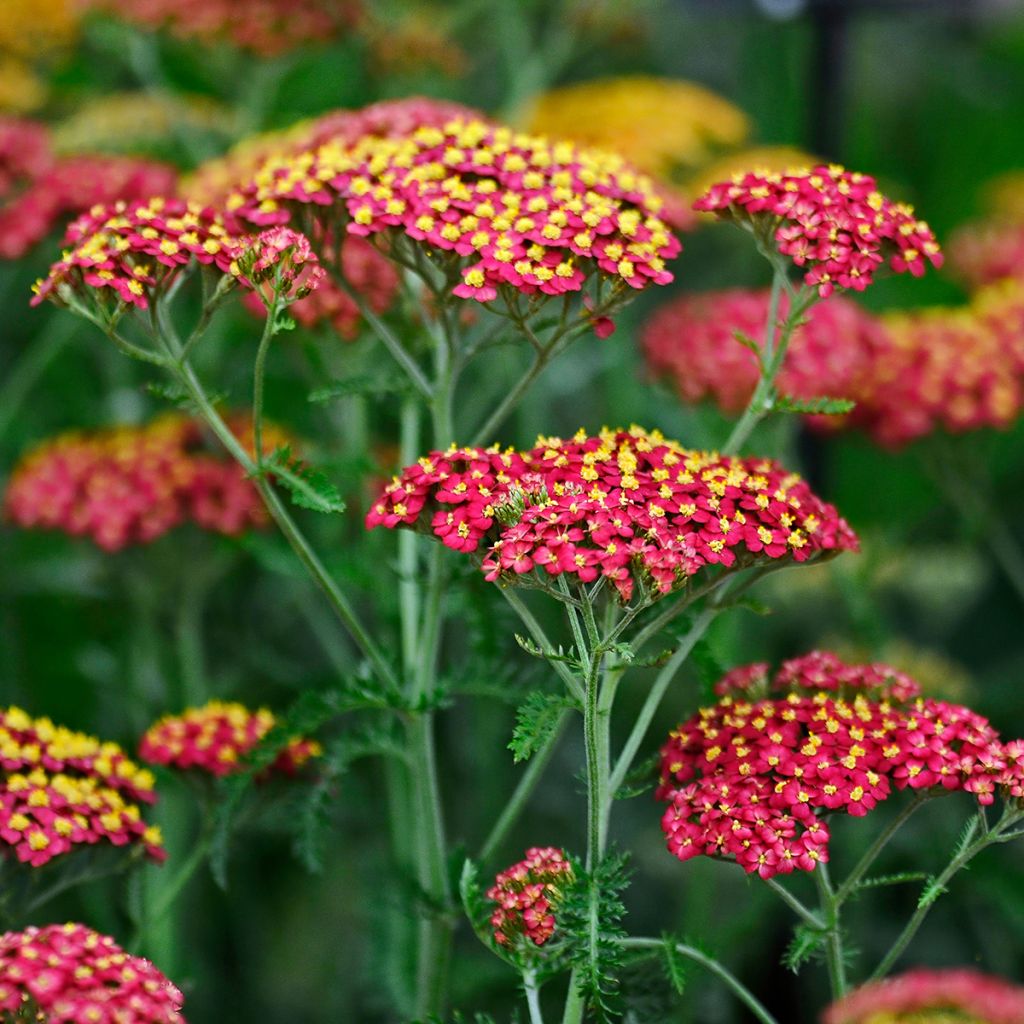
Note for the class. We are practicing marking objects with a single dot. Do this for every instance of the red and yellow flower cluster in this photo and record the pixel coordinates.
(131, 485)
(69, 974)
(692, 340)
(495, 208)
(931, 997)
(910, 373)
(61, 789)
(832, 221)
(283, 254)
(527, 894)
(215, 738)
(135, 248)
(754, 777)
(625, 505)
(39, 189)
(266, 27)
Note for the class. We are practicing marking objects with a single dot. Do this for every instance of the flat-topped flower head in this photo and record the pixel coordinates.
(265, 27)
(494, 209)
(282, 255)
(121, 486)
(955, 369)
(833, 222)
(755, 777)
(626, 505)
(923, 996)
(527, 896)
(70, 974)
(129, 250)
(216, 737)
(61, 790)
(692, 341)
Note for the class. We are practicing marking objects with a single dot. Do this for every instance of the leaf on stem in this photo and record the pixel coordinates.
(361, 384)
(536, 719)
(823, 406)
(807, 944)
(308, 487)
(677, 968)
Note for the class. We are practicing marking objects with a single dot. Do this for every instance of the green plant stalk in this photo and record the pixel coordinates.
(532, 990)
(834, 957)
(742, 993)
(773, 353)
(1000, 833)
(794, 904)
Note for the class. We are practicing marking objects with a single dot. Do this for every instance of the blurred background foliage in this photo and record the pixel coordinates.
(929, 97)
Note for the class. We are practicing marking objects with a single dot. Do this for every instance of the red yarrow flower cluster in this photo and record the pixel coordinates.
(692, 340)
(266, 27)
(130, 485)
(832, 221)
(625, 505)
(283, 254)
(988, 251)
(131, 249)
(931, 997)
(61, 789)
(755, 777)
(215, 738)
(500, 208)
(527, 896)
(70, 974)
(40, 189)
(955, 369)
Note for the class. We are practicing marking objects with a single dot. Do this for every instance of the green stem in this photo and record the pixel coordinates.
(259, 375)
(532, 990)
(833, 932)
(742, 993)
(794, 904)
(654, 698)
(968, 850)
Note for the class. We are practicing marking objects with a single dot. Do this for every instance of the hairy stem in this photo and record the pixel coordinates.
(834, 957)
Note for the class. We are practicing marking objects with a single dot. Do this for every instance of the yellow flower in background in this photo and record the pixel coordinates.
(122, 121)
(660, 125)
(31, 32)
(759, 159)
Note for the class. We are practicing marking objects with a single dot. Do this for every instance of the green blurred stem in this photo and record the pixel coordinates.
(24, 375)
(742, 993)
(977, 838)
(772, 355)
(794, 904)
(532, 990)
(834, 955)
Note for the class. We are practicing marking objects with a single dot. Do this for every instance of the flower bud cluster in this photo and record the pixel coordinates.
(215, 737)
(952, 996)
(70, 974)
(692, 340)
(832, 221)
(61, 789)
(527, 895)
(266, 27)
(624, 505)
(496, 207)
(130, 485)
(755, 777)
(39, 188)
(283, 255)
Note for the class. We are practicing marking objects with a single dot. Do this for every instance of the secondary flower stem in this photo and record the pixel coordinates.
(742, 993)
(968, 850)
(794, 904)
(533, 996)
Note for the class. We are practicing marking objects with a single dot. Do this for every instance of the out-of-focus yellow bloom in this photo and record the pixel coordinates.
(759, 159)
(659, 125)
(1004, 197)
(122, 121)
(31, 31)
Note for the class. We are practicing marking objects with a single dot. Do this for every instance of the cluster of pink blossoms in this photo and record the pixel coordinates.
(285, 254)
(755, 776)
(134, 248)
(500, 208)
(39, 189)
(70, 974)
(931, 997)
(527, 894)
(621, 505)
(131, 485)
(266, 27)
(215, 737)
(692, 340)
(988, 251)
(832, 221)
(61, 789)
